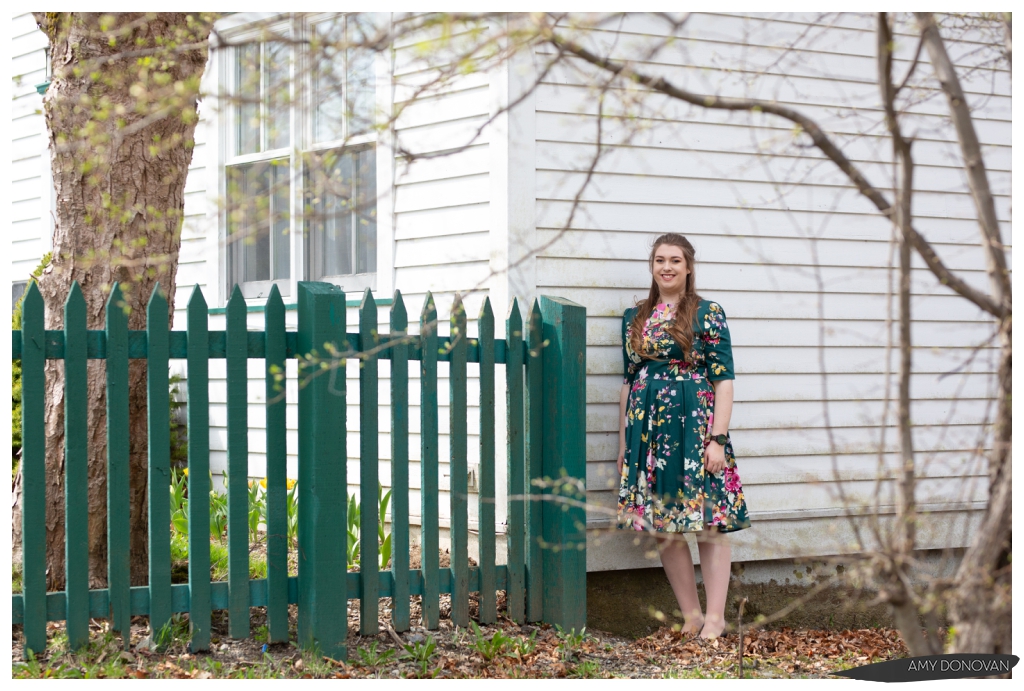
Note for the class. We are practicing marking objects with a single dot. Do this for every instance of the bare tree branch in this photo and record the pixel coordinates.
(974, 163)
(821, 140)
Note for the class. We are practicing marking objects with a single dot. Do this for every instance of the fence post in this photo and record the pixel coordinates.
(564, 463)
(323, 594)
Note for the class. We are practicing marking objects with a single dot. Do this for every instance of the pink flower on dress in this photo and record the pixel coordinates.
(732, 480)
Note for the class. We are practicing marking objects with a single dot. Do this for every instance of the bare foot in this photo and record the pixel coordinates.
(712, 630)
(692, 626)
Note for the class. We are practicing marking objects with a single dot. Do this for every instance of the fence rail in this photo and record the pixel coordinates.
(544, 367)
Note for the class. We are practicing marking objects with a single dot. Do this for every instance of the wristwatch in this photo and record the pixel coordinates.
(720, 438)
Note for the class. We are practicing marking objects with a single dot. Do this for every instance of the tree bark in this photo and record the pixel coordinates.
(121, 129)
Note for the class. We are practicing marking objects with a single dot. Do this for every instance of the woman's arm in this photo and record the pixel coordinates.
(714, 457)
(623, 398)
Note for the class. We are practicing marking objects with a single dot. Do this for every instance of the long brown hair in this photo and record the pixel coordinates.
(681, 327)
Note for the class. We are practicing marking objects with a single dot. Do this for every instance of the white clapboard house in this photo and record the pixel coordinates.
(798, 260)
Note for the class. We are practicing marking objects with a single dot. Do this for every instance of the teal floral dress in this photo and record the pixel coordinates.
(669, 417)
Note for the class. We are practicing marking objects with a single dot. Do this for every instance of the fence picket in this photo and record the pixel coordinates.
(429, 492)
(368, 472)
(517, 487)
(485, 496)
(458, 492)
(198, 362)
(238, 467)
(33, 470)
(118, 525)
(159, 476)
(277, 471)
(76, 469)
(399, 352)
(534, 456)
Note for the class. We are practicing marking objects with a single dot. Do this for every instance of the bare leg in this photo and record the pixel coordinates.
(675, 557)
(715, 561)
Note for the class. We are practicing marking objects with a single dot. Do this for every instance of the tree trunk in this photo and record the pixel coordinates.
(121, 113)
(981, 607)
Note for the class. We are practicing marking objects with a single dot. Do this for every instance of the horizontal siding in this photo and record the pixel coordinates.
(28, 221)
(723, 132)
(707, 219)
(795, 256)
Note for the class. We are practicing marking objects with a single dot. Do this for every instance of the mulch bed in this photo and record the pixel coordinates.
(779, 653)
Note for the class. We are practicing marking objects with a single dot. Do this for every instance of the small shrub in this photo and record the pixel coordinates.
(372, 658)
(489, 648)
(422, 655)
(571, 642)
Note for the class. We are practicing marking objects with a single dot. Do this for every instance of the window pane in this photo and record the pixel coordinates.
(360, 77)
(282, 247)
(328, 82)
(366, 212)
(342, 213)
(337, 205)
(258, 195)
(247, 91)
(255, 241)
(278, 79)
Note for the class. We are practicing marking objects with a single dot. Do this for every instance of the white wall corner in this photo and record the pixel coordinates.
(385, 91)
(210, 118)
(513, 187)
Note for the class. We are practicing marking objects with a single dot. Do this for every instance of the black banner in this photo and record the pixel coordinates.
(960, 666)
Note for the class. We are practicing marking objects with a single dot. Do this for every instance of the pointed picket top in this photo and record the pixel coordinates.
(157, 301)
(274, 297)
(485, 310)
(399, 315)
(534, 334)
(75, 299)
(236, 301)
(367, 299)
(485, 325)
(115, 302)
(367, 322)
(196, 301)
(515, 319)
(368, 314)
(457, 321)
(428, 315)
(33, 298)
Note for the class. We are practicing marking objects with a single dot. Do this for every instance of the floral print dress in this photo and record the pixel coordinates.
(669, 417)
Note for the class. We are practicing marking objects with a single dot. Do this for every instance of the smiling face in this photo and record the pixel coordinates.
(670, 270)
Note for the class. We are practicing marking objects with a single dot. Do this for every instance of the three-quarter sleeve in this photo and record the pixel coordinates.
(718, 344)
(629, 367)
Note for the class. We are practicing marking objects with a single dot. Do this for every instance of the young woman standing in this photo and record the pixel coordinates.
(676, 464)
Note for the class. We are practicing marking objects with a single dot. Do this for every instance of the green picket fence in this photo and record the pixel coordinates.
(544, 362)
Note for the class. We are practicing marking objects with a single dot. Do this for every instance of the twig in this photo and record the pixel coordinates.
(739, 628)
(391, 631)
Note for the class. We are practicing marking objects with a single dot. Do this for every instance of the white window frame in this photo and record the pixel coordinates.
(221, 76)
